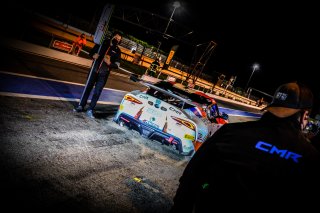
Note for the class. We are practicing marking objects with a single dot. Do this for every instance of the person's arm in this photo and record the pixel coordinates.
(114, 63)
(94, 51)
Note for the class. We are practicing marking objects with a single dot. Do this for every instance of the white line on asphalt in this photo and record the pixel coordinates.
(49, 79)
(51, 98)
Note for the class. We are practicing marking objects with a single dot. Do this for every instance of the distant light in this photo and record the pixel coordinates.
(255, 66)
(176, 4)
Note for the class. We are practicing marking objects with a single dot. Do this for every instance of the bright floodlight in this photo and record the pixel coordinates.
(176, 4)
(255, 66)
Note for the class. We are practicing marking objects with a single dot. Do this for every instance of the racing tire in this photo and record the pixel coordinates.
(163, 142)
(121, 123)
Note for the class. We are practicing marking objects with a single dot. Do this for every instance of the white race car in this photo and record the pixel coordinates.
(166, 117)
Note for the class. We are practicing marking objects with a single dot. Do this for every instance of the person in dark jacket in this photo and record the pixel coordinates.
(107, 57)
(258, 165)
(315, 141)
(154, 67)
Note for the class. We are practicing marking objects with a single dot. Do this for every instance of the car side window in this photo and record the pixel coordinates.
(186, 106)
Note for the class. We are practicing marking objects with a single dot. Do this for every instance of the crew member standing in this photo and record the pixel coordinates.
(154, 66)
(256, 166)
(78, 44)
(108, 59)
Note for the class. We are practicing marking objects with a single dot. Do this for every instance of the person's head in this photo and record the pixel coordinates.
(292, 99)
(83, 36)
(116, 38)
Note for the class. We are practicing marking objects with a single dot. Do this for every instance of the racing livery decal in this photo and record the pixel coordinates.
(165, 127)
(137, 116)
(184, 122)
(132, 99)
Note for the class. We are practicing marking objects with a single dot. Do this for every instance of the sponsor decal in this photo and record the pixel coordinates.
(121, 107)
(189, 137)
(174, 110)
(150, 103)
(154, 112)
(158, 102)
(163, 108)
(150, 123)
(143, 96)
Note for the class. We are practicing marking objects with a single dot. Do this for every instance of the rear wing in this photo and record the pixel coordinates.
(169, 97)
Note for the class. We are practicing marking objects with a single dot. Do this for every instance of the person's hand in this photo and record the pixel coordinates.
(107, 60)
(95, 56)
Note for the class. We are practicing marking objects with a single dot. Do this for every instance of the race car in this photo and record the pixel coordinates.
(161, 115)
(208, 112)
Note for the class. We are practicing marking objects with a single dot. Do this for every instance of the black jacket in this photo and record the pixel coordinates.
(259, 164)
(315, 141)
(114, 52)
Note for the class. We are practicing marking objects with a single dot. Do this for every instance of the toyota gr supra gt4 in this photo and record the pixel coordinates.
(161, 115)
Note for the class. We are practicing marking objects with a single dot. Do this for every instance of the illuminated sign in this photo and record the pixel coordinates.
(170, 56)
(62, 45)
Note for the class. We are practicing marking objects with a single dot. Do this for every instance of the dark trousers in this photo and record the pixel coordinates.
(98, 81)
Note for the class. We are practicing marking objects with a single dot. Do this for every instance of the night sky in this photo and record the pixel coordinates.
(281, 37)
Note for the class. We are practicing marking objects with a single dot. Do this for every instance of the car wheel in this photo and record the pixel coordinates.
(121, 123)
